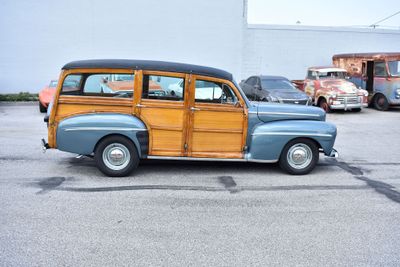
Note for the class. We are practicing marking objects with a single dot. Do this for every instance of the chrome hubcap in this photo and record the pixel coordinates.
(116, 156)
(299, 156)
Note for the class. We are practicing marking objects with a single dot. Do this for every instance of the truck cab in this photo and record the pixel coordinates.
(330, 90)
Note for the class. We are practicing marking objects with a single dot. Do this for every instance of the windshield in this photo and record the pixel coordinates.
(394, 68)
(332, 75)
(277, 84)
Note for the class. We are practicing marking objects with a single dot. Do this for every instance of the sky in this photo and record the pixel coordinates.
(324, 13)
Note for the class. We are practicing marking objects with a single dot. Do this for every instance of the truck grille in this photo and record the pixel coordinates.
(348, 99)
(294, 101)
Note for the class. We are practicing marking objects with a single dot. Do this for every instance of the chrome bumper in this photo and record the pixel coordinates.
(334, 153)
(45, 145)
(347, 106)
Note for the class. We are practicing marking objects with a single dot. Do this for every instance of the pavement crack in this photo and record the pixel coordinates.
(380, 187)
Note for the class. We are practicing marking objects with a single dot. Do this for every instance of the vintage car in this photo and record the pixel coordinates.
(119, 129)
(273, 89)
(330, 89)
(46, 95)
(378, 73)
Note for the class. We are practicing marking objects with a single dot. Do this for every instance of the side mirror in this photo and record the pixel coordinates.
(257, 86)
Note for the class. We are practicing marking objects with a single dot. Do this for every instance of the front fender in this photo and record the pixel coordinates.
(269, 139)
(80, 134)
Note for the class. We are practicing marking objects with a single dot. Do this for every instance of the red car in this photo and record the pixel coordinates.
(46, 95)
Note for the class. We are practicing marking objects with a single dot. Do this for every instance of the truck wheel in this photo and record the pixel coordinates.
(42, 108)
(324, 105)
(381, 103)
(299, 156)
(116, 156)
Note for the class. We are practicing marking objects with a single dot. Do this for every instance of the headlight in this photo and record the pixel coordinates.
(333, 95)
(398, 91)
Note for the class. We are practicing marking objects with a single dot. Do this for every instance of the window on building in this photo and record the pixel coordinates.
(163, 87)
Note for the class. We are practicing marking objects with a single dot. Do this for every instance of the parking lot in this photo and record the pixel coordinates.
(60, 210)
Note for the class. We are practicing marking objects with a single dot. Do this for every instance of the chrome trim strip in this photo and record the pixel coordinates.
(294, 133)
(212, 159)
(103, 129)
(289, 114)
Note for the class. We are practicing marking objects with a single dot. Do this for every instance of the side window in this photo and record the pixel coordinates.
(380, 69)
(163, 87)
(214, 92)
(71, 85)
(312, 75)
(251, 81)
(99, 84)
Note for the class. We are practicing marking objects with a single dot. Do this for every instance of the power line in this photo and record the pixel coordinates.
(376, 23)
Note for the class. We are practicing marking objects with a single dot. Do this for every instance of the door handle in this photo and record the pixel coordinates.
(140, 106)
(194, 109)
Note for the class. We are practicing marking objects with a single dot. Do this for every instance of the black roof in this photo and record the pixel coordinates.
(270, 77)
(148, 65)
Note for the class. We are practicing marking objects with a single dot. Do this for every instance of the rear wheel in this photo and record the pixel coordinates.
(42, 108)
(299, 156)
(381, 103)
(324, 105)
(116, 156)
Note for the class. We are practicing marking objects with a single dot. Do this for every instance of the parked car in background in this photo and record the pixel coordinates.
(212, 120)
(273, 89)
(378, 73)
(46, 95)
(330, 90)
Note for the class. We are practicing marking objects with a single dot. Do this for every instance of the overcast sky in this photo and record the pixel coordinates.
(324, 13)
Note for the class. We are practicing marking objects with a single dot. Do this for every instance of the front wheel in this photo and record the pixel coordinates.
(299, 156)
(381, 103)
(324, 105)
(116, 156)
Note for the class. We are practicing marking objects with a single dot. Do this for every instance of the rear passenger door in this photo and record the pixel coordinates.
(163, 109)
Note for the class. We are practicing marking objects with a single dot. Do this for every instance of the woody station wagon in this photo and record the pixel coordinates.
(123, 111)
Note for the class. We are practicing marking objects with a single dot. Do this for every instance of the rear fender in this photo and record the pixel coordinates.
(80, 134)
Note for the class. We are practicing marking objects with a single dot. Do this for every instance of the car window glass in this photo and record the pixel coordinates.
(380, 69)
(277, 84)
(214, 92)
(163, 87)
(251, 81)
(109, 85)
(71, 85)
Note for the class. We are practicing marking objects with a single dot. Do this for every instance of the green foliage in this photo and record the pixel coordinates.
(22, 96)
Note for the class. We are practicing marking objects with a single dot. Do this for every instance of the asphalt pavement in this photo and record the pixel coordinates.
(57, 210)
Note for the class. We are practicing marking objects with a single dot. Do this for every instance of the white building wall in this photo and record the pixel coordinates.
(39, 37)
(290, 50)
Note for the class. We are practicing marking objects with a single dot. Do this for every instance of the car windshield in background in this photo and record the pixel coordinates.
(277, 84)
(394, 68)
(332, 75)
(53, 84)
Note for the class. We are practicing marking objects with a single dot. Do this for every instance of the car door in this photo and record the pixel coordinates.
(217, 119)
(164, 114)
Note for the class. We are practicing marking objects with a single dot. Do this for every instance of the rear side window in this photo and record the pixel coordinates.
(99, 84)
(163, 87)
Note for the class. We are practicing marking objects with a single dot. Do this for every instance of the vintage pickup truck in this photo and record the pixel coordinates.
(330, 90)
(119, 129)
